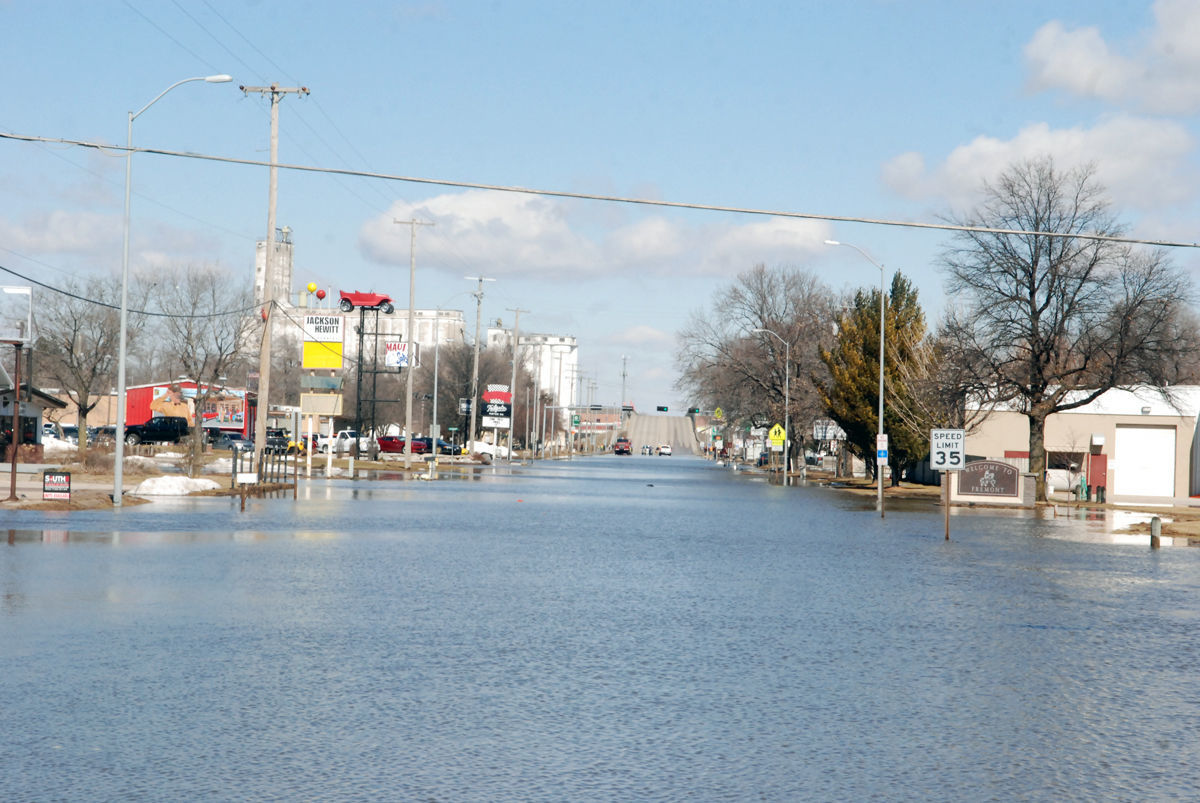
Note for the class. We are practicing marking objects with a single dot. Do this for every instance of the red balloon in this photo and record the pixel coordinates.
(320, 294)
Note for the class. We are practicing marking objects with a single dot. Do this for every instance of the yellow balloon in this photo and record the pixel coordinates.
(312, 287)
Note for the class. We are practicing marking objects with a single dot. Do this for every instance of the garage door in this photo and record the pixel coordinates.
(1145, 461)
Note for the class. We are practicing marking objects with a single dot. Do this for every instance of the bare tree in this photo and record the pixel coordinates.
(77, 343)
(1052, 322)
(207, 315)
(724, 362)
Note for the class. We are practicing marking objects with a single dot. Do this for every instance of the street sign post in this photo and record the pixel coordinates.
(947, 449)
(947, 452)
(881, 450)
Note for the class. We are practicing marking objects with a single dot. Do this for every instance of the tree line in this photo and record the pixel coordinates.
(201, 322)
(1046, 311)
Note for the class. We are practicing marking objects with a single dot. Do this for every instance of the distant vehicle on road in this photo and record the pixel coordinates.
(622, 446)
(380, 301)
(664, 449)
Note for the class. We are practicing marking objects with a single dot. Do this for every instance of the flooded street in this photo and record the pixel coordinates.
(633, 628)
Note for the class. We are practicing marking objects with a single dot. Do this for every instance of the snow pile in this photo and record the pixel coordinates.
(58, 447)
(138, 462)
(173, 486)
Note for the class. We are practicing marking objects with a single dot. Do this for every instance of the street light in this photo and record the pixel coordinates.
(119, 452)
(787, 401)
(878, 468)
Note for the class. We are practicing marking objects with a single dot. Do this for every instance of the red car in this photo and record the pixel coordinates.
(394, 444)
(380, 301)
(622, 446)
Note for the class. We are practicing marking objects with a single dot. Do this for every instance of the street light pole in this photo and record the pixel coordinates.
(787, 405)
(878, 468)
(119, 446)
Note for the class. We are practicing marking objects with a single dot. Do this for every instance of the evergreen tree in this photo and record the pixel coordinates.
(851, 395)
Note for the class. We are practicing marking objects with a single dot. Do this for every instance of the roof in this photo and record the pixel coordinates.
(1176, 401)
(41, 398)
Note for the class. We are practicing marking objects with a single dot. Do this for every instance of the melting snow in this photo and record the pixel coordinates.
(173, 486)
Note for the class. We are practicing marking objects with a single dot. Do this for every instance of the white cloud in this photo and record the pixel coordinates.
(643, 336)
(512, 234)
(1161, 75)
(61, 232)
(1144, 163)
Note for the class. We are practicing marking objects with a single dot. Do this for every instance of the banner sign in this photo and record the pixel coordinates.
(395, 354)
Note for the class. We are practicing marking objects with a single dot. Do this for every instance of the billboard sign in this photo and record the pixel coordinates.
(497, 407)
(324, 341)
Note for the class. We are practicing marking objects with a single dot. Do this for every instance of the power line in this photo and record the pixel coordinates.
(77, 297)
(739, 210)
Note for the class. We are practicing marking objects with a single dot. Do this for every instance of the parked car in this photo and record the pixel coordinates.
(380, 301)
(622, 446)
(164, 429)
(102, 435)
(444, 447)
(394, 444)
(344, 441)
(233, 442)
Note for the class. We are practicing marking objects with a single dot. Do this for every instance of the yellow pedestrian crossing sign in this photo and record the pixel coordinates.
(777, 435)
(718, 414)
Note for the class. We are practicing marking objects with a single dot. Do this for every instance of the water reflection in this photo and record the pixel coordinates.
(605, 629)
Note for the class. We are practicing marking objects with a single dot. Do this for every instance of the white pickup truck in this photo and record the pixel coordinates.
(342, 442)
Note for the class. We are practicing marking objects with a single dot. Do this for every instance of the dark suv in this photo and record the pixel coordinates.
(165, 429)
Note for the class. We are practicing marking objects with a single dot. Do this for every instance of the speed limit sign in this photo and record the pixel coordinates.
(947, 449)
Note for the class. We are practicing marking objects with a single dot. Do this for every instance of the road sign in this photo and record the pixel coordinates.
(777, 435)
(947, 449)
(881, 449)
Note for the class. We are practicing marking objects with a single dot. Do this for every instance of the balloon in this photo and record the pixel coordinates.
(320, 294)
(312, 287)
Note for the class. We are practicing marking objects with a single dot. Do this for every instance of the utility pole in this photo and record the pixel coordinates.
(475, 371)
(624, 401)
(264, 351)
(410, 362)
(512, 388)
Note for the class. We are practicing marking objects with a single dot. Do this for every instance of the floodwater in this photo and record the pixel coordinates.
(633, 628)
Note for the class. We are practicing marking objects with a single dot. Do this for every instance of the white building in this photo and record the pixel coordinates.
(1133, 443)
(553, 361)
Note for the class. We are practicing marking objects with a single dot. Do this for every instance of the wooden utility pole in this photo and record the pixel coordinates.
(268, 298)
(410, 362)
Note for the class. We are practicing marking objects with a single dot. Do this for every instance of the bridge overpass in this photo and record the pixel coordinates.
(677, 430)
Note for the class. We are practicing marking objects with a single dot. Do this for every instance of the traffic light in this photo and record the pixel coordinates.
(662, 408)
(693, 411)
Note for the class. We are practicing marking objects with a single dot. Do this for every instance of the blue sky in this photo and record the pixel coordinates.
(891, 110)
